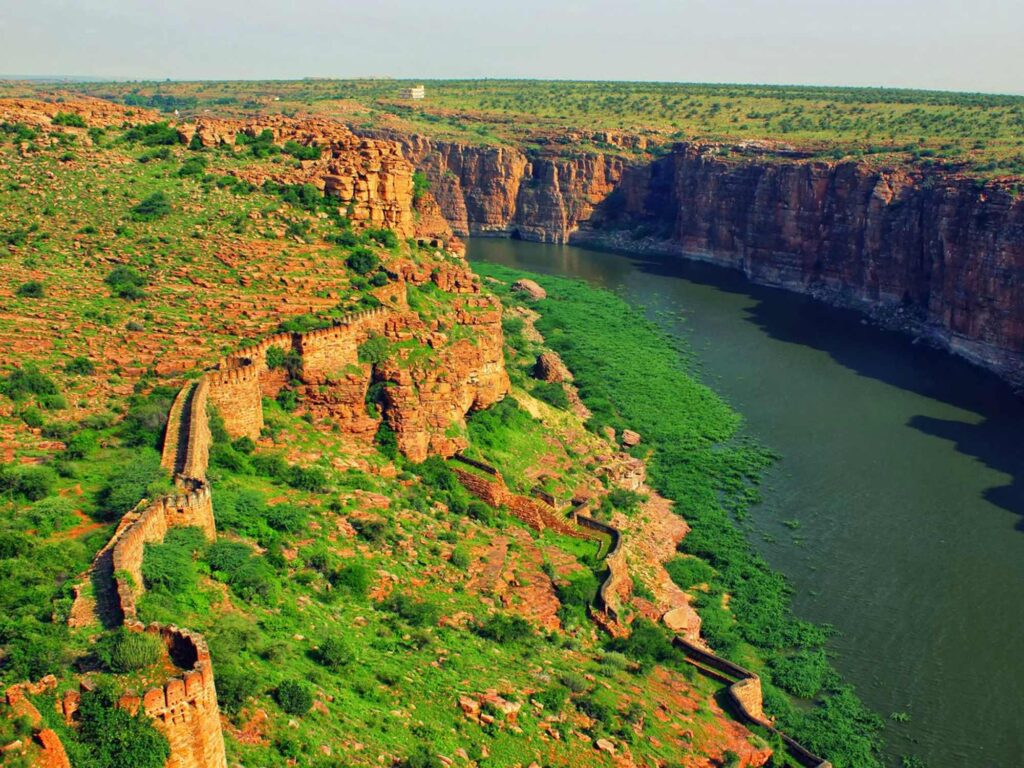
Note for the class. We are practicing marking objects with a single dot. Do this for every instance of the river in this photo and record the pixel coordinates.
(896, 509)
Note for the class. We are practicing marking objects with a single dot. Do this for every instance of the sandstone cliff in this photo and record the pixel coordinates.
(945, 251)
(371, 179)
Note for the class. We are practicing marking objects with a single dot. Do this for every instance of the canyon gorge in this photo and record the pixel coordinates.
(931, 251)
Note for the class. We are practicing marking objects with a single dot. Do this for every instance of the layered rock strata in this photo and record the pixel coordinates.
(932, 251)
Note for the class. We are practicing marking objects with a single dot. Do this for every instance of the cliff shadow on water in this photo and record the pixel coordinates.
(892, 358)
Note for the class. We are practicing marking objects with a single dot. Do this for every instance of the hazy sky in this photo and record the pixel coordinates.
(945, 44)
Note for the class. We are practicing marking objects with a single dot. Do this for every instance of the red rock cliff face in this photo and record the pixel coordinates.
(503, 191)
(948, 249)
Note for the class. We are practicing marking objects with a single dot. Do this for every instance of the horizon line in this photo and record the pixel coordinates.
(95, 79)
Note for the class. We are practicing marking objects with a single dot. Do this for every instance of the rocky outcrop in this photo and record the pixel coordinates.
(371, 179)
(932, 251)
(423, 397)
(96, 113)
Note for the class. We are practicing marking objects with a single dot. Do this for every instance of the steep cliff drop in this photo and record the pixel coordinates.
(930, 251)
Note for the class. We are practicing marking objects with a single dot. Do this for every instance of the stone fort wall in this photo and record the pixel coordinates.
(185, 707)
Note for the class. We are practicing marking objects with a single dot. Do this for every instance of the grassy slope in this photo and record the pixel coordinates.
(301, 559)
(632, 375)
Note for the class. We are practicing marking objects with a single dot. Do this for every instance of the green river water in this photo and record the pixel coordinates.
(896, 508)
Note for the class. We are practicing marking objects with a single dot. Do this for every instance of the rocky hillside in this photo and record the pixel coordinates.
(236, 357)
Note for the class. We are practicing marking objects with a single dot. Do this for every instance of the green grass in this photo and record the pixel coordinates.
(633, 375)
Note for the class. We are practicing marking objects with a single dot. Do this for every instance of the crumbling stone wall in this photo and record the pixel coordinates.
(44, 747)
(185, 707)
(236, 395)
(148, 524)
(493, 491)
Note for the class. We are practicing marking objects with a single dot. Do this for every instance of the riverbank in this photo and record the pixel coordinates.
(906, 318)
(631, 374)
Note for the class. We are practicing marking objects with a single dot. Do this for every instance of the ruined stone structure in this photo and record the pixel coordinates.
(744, 687)
(487, 484)
(44, 745)
(421, 402)
(148, 524)
(184, 708)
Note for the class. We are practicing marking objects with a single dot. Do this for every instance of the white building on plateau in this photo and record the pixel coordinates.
(417, 92)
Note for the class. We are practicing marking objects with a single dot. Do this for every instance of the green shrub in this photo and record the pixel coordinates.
(575, 594)
(126, 651)
(81, 444)
(169, 567)
(293, 697)
(421, 756)
(32, 417)
(385, 237)
(32, 481)
(376, 349)
(288, 399)
(504, 628)
(647, 643)
(552, 393)
(460, 559)
(312, 479)
(147, 417)
(334, 653)
(234, 686)
(25, 381)
(553, 698)
(228, 557)
(287, 518)
(80, 366)
(153, 134)
(194, 166)
(362, 261)
(131, 481)
(275, 358)
(151, 208)
(688, 572)
(418, 613)
(126, 282)
(804, 673)
(53, 513)
(420, 185)
(111, 737)
(354, 577)
(33, 289)
(69, 119)
(302, 152)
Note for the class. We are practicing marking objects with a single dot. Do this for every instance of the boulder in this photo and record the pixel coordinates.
(630, 438)
(551, 368)
(530, 288)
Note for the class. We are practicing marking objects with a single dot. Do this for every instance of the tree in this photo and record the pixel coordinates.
(293, 697)
(334, 653)
(129, 483)
(153, 207)
(362, 261)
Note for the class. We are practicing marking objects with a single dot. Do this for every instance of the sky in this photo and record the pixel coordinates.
(965, 45)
